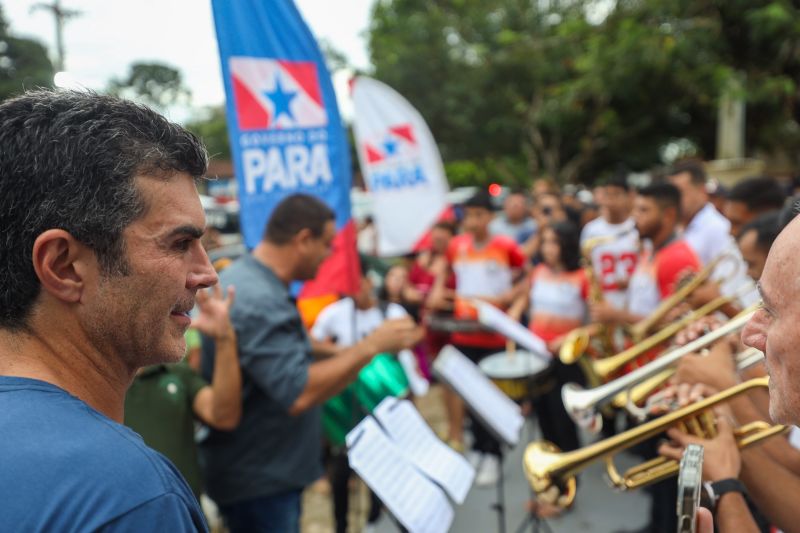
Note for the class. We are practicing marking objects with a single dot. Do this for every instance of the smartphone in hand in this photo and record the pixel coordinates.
(690, 479)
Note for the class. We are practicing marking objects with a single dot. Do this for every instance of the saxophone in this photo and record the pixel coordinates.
(577, 341)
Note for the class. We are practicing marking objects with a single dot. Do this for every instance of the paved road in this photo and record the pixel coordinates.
(598, 509)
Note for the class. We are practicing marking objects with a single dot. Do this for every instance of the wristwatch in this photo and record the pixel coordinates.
(716, 490)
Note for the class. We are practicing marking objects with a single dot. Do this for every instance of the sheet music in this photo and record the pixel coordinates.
(494, 318)
(413, 499)
(406, 428)
(489, 403)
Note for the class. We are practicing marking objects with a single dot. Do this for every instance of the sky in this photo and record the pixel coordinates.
(109, 35)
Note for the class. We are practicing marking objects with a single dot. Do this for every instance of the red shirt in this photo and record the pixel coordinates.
(657, 275)
(481, 272)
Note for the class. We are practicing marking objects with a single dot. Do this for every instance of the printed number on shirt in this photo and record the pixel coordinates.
(615, 268)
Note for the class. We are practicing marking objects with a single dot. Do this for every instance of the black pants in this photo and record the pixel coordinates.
(484, 441)
(556, 425)
(340, 487)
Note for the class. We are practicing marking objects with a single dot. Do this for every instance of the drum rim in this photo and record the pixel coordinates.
(538, 366)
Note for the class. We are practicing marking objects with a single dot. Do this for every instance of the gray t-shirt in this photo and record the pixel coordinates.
(270, 452)
(519, 232)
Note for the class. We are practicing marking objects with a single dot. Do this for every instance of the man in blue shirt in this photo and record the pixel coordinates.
(101, 264)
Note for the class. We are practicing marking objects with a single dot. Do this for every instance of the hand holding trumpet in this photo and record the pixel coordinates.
(722, 458)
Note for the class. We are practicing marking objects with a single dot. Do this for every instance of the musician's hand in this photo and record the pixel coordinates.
(394, 335)
(717, 369)
(721, 457)
(676, 396)
(697, 329)
(705, 520)
(604, 313)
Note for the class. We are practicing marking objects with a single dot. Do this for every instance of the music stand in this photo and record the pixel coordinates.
(490, 406)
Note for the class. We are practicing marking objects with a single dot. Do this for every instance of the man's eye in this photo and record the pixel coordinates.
(183, 244)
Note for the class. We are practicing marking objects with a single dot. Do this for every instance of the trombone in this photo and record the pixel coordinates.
(641, 328)
(551, 473)
(583, 405)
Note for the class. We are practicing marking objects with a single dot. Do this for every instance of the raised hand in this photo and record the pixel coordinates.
(395, 335)
(214, 318)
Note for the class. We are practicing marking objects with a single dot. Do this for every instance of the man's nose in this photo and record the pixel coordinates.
(202, 274)
(753, 333)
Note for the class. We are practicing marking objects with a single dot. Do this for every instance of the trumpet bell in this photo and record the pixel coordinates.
(538, 461)
(588, 419)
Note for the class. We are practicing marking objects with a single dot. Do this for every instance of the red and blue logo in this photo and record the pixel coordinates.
(272, 94)
(393, 159)
(397, 142)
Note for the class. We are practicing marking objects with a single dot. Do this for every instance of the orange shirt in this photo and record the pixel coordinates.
(481, 272)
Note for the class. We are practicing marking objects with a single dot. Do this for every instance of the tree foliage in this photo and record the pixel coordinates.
(154, 84)
(23, 63)
(213, 130)
(557, 88)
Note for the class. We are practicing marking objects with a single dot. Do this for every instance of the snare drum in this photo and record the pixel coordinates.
(521, 375)
(382, 377)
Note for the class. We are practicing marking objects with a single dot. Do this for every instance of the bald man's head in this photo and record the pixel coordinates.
(773, 328)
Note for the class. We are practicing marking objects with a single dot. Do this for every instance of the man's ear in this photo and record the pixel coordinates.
(62, 264)
(303, 237)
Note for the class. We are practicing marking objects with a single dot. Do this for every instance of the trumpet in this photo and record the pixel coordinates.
(631, 399)
(583, 405)
(551, 473)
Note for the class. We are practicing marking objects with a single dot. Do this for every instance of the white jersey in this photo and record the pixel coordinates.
(708, 233)
(613, 262)
(346, 325)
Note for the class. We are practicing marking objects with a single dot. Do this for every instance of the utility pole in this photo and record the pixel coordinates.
(61, 15)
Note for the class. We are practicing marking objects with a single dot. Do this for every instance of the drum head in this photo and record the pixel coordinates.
(513, 365)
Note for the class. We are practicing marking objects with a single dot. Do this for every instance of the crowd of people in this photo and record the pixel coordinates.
(106, 272)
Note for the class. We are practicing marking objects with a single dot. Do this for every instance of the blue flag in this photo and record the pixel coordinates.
(285, 130)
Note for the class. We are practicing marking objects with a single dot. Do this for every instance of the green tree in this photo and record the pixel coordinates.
(553, 88)
(154, 84)
(23, 63)
(213, 130)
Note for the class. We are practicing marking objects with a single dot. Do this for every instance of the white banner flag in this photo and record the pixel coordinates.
(401, 165)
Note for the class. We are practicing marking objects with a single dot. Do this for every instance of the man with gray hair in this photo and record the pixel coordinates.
(101, 264)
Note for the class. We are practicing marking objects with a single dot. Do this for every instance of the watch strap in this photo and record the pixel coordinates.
(717, 489)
